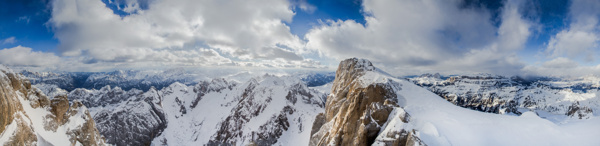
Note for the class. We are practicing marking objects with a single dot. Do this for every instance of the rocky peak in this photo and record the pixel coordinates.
(28, 117)
(354, 113)
(350, 69)
(356, 64)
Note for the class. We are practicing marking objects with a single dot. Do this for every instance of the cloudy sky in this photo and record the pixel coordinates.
(403, 37)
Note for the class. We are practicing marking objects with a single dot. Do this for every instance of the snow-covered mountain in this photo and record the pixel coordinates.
(63, 80)
(128, 79)
(145, 79)
(367, 106)
(142, 80)
(124, 117)
(265, 110)
(554, 99)
(362, 106)
(313, 79)
(28, 117)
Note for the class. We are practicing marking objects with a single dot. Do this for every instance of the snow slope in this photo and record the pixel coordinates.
(555, 100)
(439, 122)
(442, 123)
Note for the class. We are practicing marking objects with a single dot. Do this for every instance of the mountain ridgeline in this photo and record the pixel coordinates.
(573, 98)
(358, 105)
(126, 80)
(267, 110)
(139, 79)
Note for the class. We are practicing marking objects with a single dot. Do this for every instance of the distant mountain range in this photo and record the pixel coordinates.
(144, 80)
(550, 98)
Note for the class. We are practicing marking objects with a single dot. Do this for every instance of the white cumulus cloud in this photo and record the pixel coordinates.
(24, 56)
(561, 67)
(240, 29)
(580, 40)
(416, 36)
(560, 63)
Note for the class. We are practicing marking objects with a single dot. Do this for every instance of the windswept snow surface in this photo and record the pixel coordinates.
(441, 123)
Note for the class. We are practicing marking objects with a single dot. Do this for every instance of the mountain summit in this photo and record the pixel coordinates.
(359, 108)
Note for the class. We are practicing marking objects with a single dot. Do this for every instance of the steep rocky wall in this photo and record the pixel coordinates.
(11, 110)
(355, 111)
(25, 112)
(7, 103)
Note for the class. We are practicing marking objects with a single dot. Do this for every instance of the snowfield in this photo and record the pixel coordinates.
(439, 122)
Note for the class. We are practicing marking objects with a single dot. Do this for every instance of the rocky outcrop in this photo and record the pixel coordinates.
(28, 117)
(580, 112)
(395, 133)
(86, 133)
(8, 101)
(357, 110)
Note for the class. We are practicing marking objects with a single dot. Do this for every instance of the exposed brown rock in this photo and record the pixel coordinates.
(23, 135)
(355, 113)
(13, 87)
(87, 134)
(10, 86)
(59, 107)
(8, 104)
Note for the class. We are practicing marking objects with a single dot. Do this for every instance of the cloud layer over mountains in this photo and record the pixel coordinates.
(403, 37)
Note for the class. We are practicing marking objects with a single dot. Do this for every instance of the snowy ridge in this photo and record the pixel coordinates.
(268, 110)
(51, 90)
(514, 95)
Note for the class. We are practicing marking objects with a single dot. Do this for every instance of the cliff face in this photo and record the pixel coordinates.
(359, 108)
(124, 117)
(28, 117)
